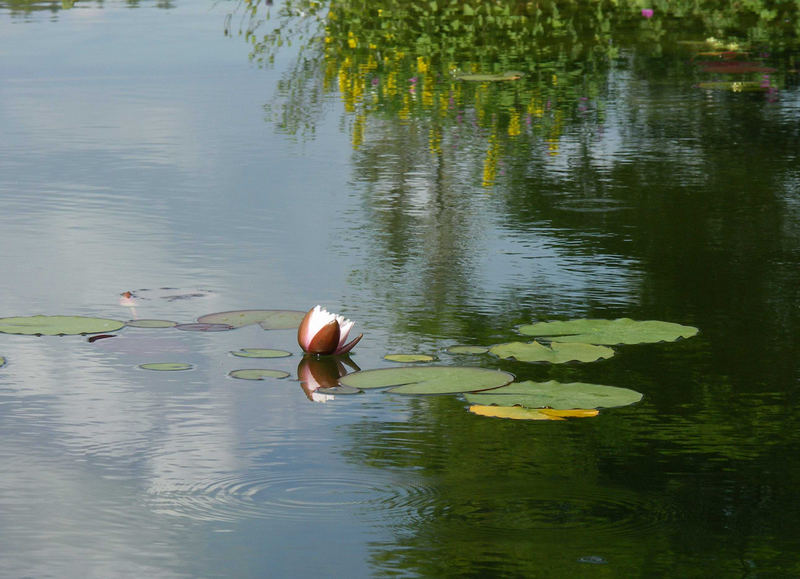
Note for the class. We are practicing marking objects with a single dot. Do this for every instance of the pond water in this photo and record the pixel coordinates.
(186, 153)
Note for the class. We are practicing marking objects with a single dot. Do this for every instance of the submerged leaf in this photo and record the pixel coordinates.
(261, 353)
(267, 319)
(58, 325)
(552, 394)
(609, 332)
(257, 374)
(428, 379)
(166, 366)
(409, 358)
(555, 353)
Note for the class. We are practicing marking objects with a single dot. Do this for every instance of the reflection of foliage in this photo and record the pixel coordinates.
(401, 60)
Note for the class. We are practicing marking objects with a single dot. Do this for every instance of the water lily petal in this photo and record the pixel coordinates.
(326, 340)
(346, 348)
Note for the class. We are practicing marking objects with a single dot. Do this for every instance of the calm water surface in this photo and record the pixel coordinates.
(144, 148)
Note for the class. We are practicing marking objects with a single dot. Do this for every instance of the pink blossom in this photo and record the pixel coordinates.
(322, 332)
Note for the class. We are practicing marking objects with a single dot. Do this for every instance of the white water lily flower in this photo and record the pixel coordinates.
(322, 332)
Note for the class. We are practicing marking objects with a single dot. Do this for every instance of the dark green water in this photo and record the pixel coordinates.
(628, 173)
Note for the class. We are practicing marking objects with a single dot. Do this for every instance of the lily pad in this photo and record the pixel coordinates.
(267, 319)
(2, 361)
(166, 366)
(257, 374)
(505, 76)
(151, 324)
(58, 325)
(467, 349)
(428, 379)
(520, 413)
(261, 353)
(340, 389)
(555, 353)
(203, 327)
(409, 358)
(556, 395)
(609, 332)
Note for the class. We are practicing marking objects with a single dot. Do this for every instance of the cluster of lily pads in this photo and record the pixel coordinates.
(489, 392)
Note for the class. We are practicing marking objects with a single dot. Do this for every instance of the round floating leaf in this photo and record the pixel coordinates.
(555, 353)
(151, 324)
(202, 327)
(267, 319)
(467, 350)
(510, 75)
(257, 374)
(2, 361)
(340, 389)
(409, 358)
(428, 379)
(261, 353)
(556, 395)
(166, 366)
(609, 332)
(58, 325)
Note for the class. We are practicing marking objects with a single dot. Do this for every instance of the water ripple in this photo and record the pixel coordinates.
(290, 497)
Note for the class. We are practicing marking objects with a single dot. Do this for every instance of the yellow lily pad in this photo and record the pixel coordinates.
(513, 412)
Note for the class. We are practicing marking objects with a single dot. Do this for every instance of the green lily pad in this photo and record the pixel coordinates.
(556, 395)
(428, 379)
(555, 353)
(151, 324)
(340, 389)
(467, 350)
(505, 76)
(609, 332)
(204, 327)
(58, 325)
(261, 353)
(166, 366)
(267, 319)
(409, 358)
(257, 374)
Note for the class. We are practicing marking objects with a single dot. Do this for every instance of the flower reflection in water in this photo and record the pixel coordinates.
(319, 377)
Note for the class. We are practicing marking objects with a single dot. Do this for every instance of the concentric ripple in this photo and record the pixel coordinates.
(288, 497)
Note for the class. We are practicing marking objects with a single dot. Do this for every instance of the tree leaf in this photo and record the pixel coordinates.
(609, 332)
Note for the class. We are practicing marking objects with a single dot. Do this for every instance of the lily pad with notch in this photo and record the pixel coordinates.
(555, 353)
(204, 327)
(267, 319)
(428, 379)
(58, 325)
(556, 395)
(609, 332)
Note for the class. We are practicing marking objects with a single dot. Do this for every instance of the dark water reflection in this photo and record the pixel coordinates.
(434, 212)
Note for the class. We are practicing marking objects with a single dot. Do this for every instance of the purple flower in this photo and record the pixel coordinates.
(647, 12)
